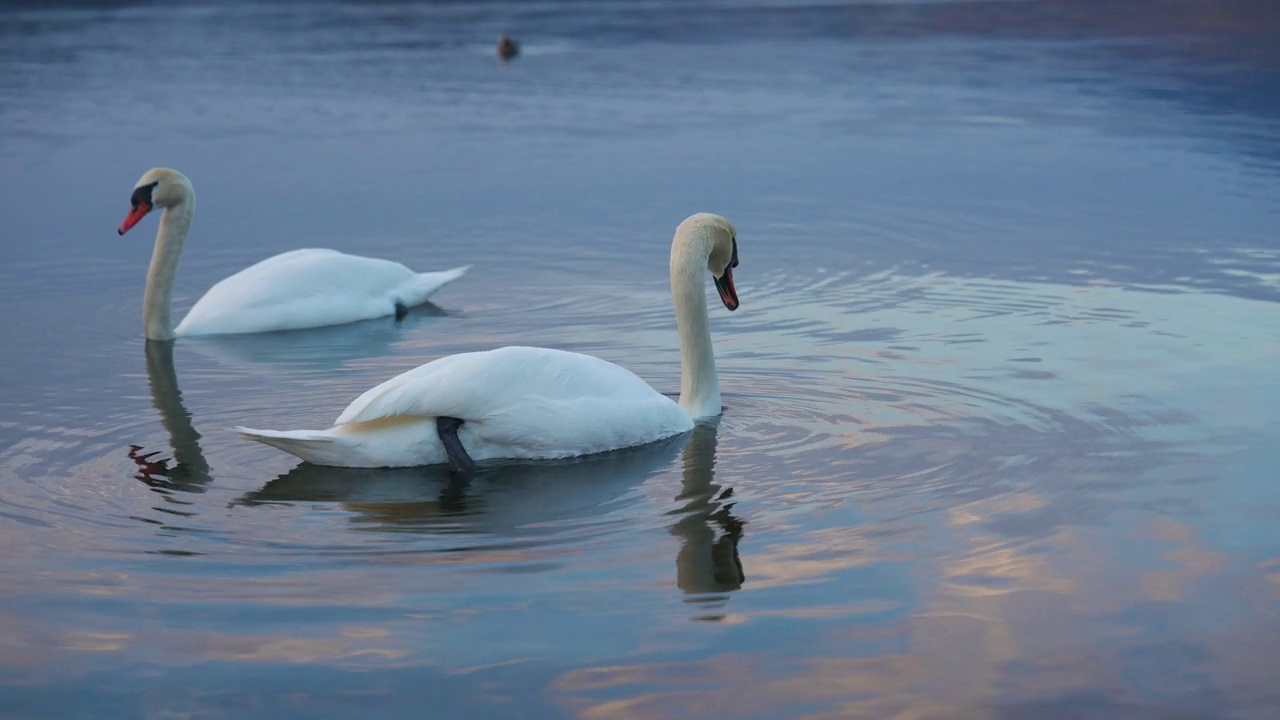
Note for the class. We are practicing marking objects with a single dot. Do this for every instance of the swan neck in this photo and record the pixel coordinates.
(699, 384)
(175, 223)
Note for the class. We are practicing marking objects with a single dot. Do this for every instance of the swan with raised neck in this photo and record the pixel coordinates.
(171, 191)
(535, 403)
(293, 290)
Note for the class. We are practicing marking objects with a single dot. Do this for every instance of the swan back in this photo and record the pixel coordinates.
(475, 385)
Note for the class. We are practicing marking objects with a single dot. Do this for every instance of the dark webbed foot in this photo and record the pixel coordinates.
(459, 461)
(401, 311)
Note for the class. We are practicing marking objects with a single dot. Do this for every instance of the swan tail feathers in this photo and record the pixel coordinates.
(423, 285)
(316, 446)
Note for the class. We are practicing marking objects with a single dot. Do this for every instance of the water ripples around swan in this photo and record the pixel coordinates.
(1000, 400)
(824, 378)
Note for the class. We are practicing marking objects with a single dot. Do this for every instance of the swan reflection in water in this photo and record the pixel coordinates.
(186, 470)
(531, 497)
(316, 350)
(500, 499)
(707, 564)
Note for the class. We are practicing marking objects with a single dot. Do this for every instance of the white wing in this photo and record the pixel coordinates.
(527, 402)
(309, 288)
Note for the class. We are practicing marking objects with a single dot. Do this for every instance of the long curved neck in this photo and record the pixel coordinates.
(175, 222)
(699, 384)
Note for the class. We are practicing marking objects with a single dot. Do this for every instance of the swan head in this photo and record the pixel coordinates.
(716, 236)
(158, 187)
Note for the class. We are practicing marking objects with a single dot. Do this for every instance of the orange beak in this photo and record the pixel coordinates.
(138, 212)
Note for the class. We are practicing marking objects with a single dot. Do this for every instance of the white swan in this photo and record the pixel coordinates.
(535, 403)
(290, 291)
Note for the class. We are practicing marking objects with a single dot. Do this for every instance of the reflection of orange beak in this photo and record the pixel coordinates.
(137, 213)
(728, 293)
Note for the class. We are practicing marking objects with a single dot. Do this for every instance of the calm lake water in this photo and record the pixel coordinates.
(1002, 420)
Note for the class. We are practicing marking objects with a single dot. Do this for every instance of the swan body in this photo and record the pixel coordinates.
(294, 290)
(310, 288)
(535, 403)
(516, 403)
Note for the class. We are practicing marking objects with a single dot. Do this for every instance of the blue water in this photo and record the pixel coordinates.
(1002, 413)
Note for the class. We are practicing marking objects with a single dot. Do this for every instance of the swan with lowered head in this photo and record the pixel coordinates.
(535, 403)
(290, 291)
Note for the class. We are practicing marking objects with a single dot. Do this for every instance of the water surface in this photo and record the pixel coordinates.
(1001, 403)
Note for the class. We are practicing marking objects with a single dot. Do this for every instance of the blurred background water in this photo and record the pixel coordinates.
(1002, 413)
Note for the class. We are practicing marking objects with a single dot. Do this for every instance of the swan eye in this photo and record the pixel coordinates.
(734, 261)
(142, 194)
